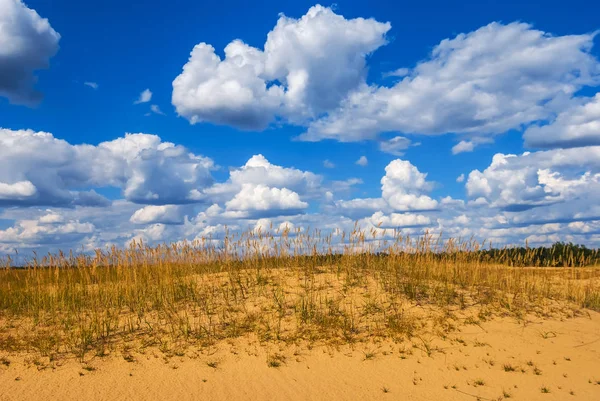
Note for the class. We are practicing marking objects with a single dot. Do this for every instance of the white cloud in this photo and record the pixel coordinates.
(496, 78)
(578, 125)
(27, 42)
(328, 164)
(469, 145)
(362, 161)
(517, 183)
(463, 146)
(403, 187)
(144, 97)
(540, 196)
(92, 85)
(395, 146)
(17, 191)
(359, 207)
(397, 220)
(51, 218)
(259, 171)
(311, 72)
(156, 110)
(263, 201)
(40, 169)
(400, 72)
(36, 232)
(307, 67)
(156, 172)
(153, 214)
(460, 178)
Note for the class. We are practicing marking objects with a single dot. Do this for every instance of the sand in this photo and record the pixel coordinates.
(535, 359)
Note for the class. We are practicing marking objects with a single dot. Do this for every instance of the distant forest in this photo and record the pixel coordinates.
(559, 254)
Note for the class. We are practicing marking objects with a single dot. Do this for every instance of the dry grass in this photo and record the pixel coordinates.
(285, 286)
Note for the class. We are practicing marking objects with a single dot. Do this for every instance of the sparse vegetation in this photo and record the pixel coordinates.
(283, 286)
(276, 360)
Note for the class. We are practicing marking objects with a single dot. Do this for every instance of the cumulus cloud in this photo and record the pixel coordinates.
(307, 67)
(45, 231)
(17, 191)
(362, 161)
(578, 125)
(43, 170)
(488, 81)
(259, 171)
(539, 196)
(27, 43)
(311, 72)
(399, 220)
(262, 201)
(155, 214)
(403, 187)
(144, 97)
(535, 179)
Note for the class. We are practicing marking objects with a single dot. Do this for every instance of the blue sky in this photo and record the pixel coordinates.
(463, 84)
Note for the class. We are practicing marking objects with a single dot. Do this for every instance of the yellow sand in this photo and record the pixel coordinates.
(500, 358)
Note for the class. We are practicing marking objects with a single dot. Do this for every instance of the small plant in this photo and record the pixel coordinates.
(275, 360)
(548, 334)
(508, 367)
(545, 390)
(537, 371)
(479, 382)
(369, 356)
(385, 389)
(212, 364)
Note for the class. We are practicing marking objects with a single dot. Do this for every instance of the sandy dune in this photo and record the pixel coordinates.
(503, 358)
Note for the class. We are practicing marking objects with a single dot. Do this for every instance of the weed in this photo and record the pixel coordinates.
(508, 367)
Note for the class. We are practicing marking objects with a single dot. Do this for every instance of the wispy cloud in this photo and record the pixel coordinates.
(155, 109)
(92, 85)
(145, 97)
(400, 72)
